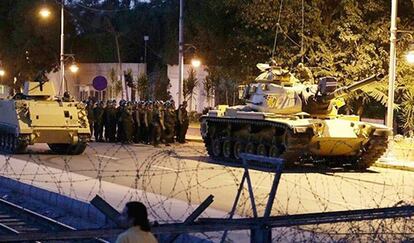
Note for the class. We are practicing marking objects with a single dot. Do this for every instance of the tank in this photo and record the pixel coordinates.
(36, 116)
(297, 121)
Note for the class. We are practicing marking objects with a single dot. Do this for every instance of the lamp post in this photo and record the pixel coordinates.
(45, 13)
(62, 47)
(392, 64)
(181, 53)
(146, 39)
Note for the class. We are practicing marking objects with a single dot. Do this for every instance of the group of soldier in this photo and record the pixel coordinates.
(144, 122)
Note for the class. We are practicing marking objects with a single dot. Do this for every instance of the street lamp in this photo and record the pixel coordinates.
(181, 53)
(409, 57)
(392, 65)
(45, 13)
(196, 63)
(74, 68)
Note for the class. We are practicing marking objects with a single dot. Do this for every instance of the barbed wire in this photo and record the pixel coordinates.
(171, 181)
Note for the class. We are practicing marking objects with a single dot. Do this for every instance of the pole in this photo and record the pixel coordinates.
(62, 48)
(392, 64)
(181, 54)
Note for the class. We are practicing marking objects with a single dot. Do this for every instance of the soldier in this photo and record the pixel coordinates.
(120, 136)
(89, 112)
(169, 120)
(149, 111)
(305, 74)
(137, 122)
(157, 124)
(98, 113)
(110, 121)
(128, 123)
(183, 122)
(143, 122)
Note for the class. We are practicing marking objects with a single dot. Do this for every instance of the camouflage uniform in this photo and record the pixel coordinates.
(170, 120)
(149, 111)
(137, 122)
(120, 136)
(183, 122)
(110, 121)
(128, 123)
(91, 117)
(98, 113)
(305, 74)
(144, 123)
(157, 124)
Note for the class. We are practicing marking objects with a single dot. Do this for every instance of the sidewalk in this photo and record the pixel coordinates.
(395, 164)
(193, 133)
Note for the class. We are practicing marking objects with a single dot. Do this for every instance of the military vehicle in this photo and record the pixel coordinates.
(36, 116)
(297, 121)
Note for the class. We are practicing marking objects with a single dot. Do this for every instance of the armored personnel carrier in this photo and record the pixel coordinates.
(36, 116)
(296, 121)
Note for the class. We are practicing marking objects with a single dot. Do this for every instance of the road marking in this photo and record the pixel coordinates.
(164, 168)
(106, 157)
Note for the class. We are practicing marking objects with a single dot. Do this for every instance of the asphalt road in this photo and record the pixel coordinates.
(184, 172)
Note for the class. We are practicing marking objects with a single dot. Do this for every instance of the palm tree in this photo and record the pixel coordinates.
(189, 86)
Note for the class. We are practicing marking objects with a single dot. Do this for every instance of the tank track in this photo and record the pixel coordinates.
(11, 143)
(373, 151)
(294, 150)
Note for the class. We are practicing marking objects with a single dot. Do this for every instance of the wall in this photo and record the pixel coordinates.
(82, 81)
(199, 101)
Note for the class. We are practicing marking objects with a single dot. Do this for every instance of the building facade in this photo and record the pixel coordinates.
(80, 84)
(199, 100)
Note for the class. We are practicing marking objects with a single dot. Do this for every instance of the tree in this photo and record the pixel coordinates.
(28, 44)
(116, 83)
(189, 85)
(209, 86)
(142, 87)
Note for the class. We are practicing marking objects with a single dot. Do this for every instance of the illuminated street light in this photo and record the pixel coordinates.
(45, 12)
(410, 57)
(2, 72)
(74, 68)
(196, 63)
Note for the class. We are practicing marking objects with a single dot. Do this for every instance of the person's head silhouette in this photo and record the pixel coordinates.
(136, 215)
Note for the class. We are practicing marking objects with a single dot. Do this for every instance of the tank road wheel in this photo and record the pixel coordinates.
(238, 148)
(262, 150)
(2, 144)
(227, 149)
(9, 143)
(275, 151)
(251, 148)
(216, 146)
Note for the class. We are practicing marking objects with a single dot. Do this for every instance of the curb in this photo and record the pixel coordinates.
(194, 139)
(75, 207)
(396, 167)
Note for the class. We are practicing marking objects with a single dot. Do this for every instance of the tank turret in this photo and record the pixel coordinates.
(326, 83)
(327, 98)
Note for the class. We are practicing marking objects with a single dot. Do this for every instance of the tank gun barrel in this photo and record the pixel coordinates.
(355, 86)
